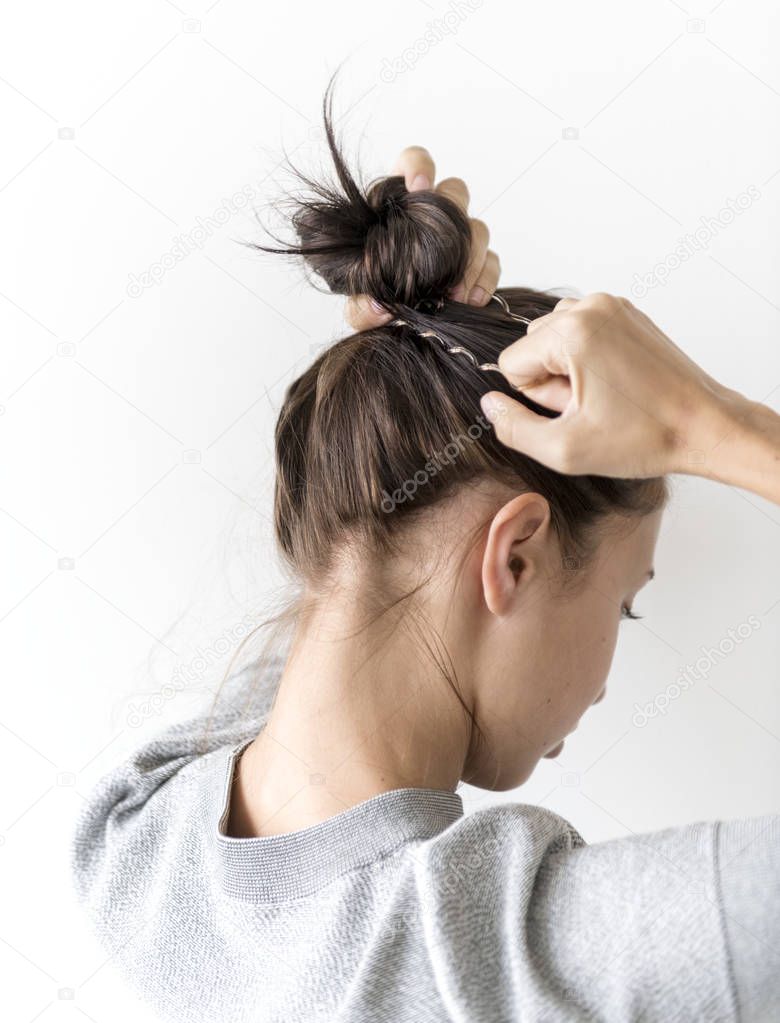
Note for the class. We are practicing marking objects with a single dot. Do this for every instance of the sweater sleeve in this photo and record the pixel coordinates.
(748, 865)
(680, 924)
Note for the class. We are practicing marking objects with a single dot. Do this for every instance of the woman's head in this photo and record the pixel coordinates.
(394, 495)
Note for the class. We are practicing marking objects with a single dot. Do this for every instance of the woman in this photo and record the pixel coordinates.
(302, 854)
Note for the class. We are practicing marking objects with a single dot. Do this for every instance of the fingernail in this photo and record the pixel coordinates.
(477, 296)
(421, 182)
(490, 406)
(458, 293)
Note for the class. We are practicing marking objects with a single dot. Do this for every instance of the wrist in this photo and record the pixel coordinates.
(705, 419)
(740, 444)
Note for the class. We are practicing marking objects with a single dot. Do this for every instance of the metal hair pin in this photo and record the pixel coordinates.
(503, 303)
(490, 367)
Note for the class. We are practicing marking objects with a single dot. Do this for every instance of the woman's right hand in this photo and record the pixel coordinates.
(632, 403)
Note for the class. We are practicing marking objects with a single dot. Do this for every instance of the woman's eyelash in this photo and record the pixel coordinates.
(626, 612)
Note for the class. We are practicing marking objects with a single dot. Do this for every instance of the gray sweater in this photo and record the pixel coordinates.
(404, 910)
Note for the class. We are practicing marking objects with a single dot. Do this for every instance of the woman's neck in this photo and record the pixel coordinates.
(359, 711)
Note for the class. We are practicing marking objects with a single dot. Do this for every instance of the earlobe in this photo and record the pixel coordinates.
(512, 551)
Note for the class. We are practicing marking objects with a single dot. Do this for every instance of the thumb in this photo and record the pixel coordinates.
(523, 430)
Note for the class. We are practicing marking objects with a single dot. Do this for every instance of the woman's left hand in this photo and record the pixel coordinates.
(416, 166)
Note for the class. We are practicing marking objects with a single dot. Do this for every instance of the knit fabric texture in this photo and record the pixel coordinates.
(403, 909)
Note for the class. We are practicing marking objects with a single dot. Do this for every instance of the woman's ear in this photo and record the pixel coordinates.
(514, 551)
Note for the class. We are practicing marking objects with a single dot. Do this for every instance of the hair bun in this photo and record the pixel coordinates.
(399, 247)
(416, 249)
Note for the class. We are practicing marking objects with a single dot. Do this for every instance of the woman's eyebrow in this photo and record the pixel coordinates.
(651, 574)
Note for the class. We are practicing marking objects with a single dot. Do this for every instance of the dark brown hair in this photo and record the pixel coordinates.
(365, 437)
(361, 433)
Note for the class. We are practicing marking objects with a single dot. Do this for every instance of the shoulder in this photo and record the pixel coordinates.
(627, 928)
(146, 806)
(503, 834)
(541, 858)
(489, 858)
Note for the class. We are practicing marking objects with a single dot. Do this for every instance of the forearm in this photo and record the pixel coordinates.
(742, 447)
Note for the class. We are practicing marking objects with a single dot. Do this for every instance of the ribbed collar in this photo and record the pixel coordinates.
(293, 865)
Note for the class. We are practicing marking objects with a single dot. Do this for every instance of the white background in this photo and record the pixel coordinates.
(127, 127)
